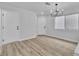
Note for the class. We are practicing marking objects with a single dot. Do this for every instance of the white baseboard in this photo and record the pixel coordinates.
(76, 54)
(29, 37)
(21, 39)
(64, 38)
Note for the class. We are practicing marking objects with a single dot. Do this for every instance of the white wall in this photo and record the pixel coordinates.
(0, 27)
(64, 34)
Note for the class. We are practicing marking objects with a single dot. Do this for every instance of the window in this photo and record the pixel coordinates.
(72, 22)
(60, 22)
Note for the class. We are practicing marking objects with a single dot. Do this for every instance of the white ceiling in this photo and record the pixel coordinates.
(38, 7)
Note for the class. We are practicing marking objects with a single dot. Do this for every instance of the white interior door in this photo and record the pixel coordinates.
(41, 26)
(10, 26)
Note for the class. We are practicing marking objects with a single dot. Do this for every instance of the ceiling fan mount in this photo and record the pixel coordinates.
(56, 4)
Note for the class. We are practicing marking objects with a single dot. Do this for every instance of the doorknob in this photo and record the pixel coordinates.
(2, 40)
(44, 27)
(2, 27)
(17, 27)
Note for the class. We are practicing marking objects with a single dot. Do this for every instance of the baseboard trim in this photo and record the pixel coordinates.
(59, 38)
(34, 36)
(76, 54)
(27, 38)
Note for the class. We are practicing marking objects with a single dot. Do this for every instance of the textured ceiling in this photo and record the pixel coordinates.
(38, 7)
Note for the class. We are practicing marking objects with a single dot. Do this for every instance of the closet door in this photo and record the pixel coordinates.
(10, 26)
(41, 25)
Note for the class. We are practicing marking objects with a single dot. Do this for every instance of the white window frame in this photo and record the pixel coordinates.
(59, 23)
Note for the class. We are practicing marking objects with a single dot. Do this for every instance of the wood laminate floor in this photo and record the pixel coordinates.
(40, 46)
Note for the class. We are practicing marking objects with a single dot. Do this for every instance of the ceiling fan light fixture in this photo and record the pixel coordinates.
(54, 10)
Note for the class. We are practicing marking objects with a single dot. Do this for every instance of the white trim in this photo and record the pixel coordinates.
(64, 38)
(27, 38)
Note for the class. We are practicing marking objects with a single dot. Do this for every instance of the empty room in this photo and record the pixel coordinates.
(39, 28)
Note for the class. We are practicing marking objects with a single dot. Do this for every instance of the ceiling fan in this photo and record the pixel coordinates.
(54, 10)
